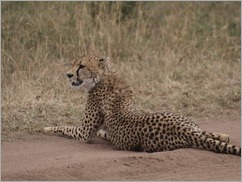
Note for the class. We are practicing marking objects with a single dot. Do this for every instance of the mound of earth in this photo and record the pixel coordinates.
(48, 157)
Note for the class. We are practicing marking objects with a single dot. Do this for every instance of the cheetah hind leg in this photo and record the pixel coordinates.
(217, 136)
(102, 133)
(201, 140)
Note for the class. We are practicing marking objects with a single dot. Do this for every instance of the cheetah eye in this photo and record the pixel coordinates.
(81, 66)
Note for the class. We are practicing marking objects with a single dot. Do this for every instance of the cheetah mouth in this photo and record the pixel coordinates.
(76, 83)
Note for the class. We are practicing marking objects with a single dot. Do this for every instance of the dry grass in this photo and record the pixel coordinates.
(178, 56)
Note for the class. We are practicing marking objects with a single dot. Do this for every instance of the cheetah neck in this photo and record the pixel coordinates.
(114, 95)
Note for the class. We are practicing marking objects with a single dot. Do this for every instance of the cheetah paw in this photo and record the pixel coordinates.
(224, 138)
(47, 129)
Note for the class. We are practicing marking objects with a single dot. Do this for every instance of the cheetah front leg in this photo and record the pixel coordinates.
(92, 120)
(76, 132)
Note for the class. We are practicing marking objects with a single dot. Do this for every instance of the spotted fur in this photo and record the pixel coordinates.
(110, 106)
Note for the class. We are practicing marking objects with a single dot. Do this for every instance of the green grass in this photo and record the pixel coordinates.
(182, 57)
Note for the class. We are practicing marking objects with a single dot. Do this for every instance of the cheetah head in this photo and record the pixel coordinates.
(86, 71)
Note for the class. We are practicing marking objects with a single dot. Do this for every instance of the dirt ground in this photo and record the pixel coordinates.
(48, 157)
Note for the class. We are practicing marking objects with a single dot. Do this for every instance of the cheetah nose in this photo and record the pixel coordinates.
(69, 75)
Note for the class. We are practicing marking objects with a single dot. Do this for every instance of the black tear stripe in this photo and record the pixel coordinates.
(80, 67)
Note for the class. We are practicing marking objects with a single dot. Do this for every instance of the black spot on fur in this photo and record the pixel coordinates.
(217, 148)
(151, 135)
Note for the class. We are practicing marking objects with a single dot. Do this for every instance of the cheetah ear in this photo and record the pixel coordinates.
(106, 59)
(104, 62)
(101, 59)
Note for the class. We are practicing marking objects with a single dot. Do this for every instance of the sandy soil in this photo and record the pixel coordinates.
(46, 157)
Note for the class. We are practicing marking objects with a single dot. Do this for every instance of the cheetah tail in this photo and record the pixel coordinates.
(216, 145)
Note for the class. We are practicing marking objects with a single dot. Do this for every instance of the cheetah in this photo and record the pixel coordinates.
(111, 115)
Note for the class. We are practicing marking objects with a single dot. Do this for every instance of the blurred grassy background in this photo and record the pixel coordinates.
(182, 57)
